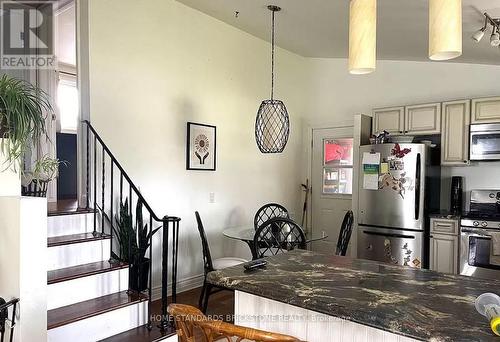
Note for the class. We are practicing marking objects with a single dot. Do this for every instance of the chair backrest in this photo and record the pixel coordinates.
(267, 212)
(278, 235)
(345, 234)
(192, 325)
(207, 257)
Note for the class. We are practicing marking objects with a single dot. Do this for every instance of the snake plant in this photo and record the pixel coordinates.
(23, 109)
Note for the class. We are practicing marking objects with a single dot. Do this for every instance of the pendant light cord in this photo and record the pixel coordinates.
(272, 57)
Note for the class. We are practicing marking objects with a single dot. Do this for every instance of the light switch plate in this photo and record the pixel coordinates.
(211, 197)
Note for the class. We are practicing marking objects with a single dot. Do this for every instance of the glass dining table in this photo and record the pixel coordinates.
(246, 234)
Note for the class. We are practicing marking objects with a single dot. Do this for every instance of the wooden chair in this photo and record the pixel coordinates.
(278, 235)
(210, 265)
(193, 326)
(267, 212)
(345, 234)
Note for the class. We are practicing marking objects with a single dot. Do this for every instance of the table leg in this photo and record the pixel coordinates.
(252, 249)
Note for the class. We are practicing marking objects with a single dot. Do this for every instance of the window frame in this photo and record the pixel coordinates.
(338, 167)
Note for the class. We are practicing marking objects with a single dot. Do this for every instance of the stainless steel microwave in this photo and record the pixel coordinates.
(485, 142)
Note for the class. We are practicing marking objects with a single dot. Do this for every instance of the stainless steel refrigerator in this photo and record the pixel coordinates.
(399, 184)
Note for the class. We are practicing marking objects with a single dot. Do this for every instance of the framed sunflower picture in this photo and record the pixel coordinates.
(201, 147)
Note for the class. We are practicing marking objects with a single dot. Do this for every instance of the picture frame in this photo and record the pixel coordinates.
(201, 147)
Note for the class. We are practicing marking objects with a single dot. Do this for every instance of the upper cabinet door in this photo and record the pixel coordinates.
(486, 110)
(389, 119)
(423, 119)
(455, 135)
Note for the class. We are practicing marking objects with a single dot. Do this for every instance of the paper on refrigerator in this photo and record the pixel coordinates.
(371, 170)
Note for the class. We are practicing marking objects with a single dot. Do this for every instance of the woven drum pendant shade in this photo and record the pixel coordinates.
(445, 29)
(272, 125)
(362, 36)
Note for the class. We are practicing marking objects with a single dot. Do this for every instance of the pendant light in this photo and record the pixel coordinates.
(272, 125)
(445, 29)
(362, 36)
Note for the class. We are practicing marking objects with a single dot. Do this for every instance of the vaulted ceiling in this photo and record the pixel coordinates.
(319, 28)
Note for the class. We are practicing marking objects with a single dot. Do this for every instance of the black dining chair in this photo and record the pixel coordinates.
(276, 236)
(345, 234)
(210, 265)
(267, 212)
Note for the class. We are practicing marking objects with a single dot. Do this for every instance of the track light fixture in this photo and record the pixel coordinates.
(495, 31)
(480, 33)
(495, 38)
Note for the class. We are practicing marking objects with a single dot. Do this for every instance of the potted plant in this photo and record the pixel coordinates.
(34, 183)
(133, 243)
(22, 117)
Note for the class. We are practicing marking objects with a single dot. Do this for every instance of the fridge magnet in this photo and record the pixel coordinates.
(400, 185)
(398, 152)
(201, 147)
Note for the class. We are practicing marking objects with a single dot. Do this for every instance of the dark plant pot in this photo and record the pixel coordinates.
(36, 188)
(138, 276)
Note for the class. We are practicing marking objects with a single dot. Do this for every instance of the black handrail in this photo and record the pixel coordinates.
(4, 315)
(168, 222)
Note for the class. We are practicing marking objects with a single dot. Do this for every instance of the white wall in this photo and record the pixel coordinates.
(154, 65)
(335, 95)
(23, 263)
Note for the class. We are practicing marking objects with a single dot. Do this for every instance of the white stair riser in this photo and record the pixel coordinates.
(101, 326)
(81, 289)
(71, 224)
(78, 254)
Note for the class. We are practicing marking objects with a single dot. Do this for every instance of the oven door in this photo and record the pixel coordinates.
(475, 247)
(485, 142)
(394, 246)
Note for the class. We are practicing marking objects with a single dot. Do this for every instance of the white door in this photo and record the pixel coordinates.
(332, 175)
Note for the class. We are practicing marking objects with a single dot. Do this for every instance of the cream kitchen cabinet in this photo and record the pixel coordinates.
(411, 120)
(423, 119)
(444, 241)
(485, 110)
(455, 133)
(390, 119)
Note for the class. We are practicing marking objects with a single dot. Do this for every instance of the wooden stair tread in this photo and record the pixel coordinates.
(142, 334)
(75, 238)
(90, 308)
(85, 270)
(75, 211)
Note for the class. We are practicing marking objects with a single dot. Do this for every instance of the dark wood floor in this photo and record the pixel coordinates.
(220, 306)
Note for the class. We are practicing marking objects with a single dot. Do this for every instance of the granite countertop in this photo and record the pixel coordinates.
(420, 304)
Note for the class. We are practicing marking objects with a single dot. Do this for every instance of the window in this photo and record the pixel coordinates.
(67, 103)
(337, 166)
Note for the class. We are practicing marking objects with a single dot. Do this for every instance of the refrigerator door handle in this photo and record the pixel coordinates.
(418, 172)
(389, 235)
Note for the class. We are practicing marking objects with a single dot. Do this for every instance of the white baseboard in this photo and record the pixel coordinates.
(183, 285)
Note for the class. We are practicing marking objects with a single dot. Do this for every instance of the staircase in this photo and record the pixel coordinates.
(88, 297)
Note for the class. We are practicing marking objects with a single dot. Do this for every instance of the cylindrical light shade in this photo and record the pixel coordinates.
(445, 29)
(362, 36)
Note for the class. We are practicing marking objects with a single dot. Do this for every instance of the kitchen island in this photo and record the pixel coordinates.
(319, 297)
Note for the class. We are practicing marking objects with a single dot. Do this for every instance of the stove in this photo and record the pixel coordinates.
(477, 227)
(484, 210)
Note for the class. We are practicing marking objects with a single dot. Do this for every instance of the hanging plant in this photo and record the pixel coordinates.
(23, 109)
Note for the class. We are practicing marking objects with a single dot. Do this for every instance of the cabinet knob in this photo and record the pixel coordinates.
(465, 161)
(400, 131)
(406, 131)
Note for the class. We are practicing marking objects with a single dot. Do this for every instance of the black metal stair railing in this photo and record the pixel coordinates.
(4, 317)
(100, 162)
